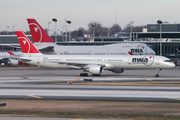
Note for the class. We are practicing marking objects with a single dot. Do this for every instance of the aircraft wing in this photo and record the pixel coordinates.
(82, 65)
(19, 58)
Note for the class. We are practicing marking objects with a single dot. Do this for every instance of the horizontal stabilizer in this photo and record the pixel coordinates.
(47, 49)
(24, 60)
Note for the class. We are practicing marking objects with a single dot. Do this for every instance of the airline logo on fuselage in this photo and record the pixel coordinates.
(136, 51)
(145, 60)
(139, 60)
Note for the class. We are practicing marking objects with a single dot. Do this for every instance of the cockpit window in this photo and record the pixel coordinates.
(167, 60)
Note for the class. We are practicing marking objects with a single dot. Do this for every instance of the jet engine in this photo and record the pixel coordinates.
(95, 70)
(12, 62)
(117, 70)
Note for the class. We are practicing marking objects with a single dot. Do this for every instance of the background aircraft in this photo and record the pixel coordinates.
(90, 63)
(4, 59)
(45, 44)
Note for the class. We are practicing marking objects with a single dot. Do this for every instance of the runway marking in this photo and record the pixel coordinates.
(18, 67)
(34, 96)
(174, 98)
(77, 119)
(149, 79)
(111, 80)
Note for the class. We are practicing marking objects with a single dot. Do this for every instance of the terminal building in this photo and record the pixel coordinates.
(168, 32)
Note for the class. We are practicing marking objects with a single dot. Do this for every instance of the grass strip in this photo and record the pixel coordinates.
(79, 115)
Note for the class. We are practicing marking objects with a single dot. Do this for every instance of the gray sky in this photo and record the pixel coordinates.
(81, 12)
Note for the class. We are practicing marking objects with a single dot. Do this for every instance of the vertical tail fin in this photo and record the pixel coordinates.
(38, 33)
(26, 45)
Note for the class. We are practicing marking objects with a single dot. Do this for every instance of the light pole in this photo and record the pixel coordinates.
(93, 29)
(69, 22)
(160, 22)
(66, 29)
(7, 29)
(63, 35)
(131, 28)
(49, 25)
(55, 20)
(108, 30)
(12, 29)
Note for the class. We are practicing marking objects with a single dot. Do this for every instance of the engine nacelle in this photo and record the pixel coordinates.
(96, 70)
(12, 62)
(117, 70)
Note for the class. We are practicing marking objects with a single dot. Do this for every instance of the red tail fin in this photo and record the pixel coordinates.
(38, 33)
(25, 43)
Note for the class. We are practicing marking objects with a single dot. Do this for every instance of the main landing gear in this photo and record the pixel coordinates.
(96, 74)
(157, 74)
(83, 74)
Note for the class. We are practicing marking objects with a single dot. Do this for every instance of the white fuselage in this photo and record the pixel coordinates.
(111, 49)
(108, 62)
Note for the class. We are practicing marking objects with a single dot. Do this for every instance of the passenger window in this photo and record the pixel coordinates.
(167, 60)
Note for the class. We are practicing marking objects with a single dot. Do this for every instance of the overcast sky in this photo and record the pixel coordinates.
(81, 12)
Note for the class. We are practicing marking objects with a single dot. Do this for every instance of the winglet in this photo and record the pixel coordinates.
(177, 50)
(25, 43)
(38, 33)
(10, 53)
(130, 53)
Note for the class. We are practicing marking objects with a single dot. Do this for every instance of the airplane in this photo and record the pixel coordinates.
(5, 59)
(90, 63)
(46, 45)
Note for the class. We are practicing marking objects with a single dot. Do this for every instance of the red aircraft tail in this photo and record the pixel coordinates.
(25, 43)
(38, 33)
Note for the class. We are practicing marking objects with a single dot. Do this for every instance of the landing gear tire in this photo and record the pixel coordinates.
(96, 74)
(157, 75)
(83, 74)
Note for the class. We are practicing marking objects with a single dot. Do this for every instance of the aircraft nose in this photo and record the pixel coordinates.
(172, 65)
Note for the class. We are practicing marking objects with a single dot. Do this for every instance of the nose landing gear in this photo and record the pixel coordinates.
(157, 74)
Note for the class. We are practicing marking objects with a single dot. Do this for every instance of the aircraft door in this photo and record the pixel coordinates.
(107, 52)
(89, 52)
(129, 60)
(61, 52)
(38, 60)
(157, 62)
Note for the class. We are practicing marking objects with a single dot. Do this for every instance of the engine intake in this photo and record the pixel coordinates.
(12, 62)
(96, 70)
